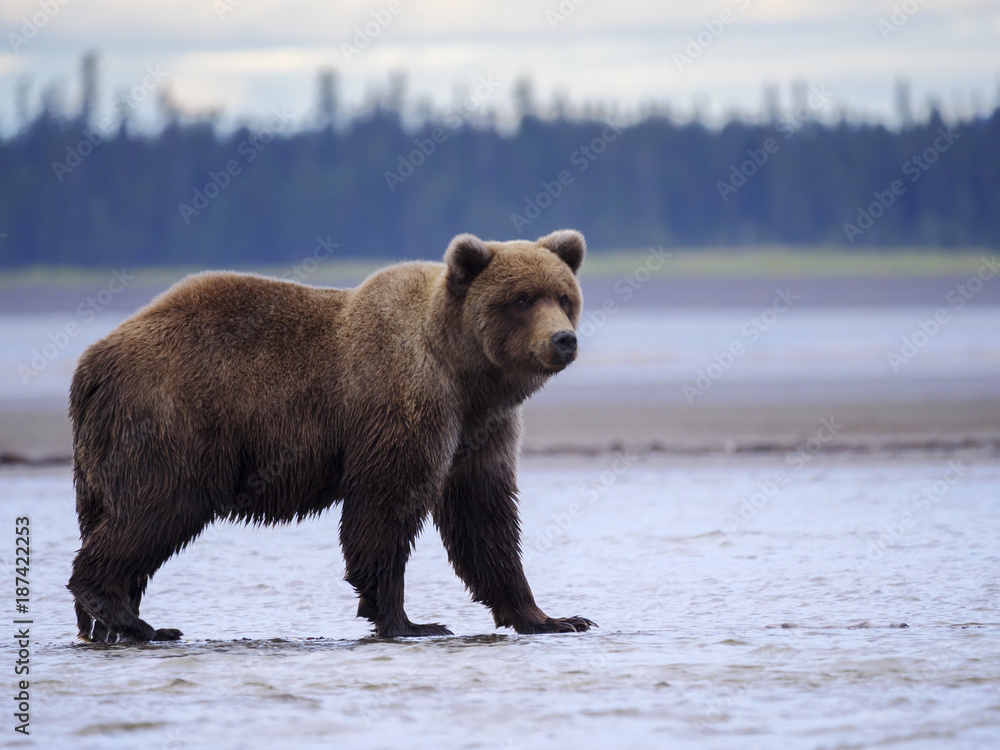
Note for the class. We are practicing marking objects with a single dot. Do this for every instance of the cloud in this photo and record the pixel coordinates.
(265, 53)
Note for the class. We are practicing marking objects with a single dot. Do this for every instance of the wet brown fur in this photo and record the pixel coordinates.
(245, 398)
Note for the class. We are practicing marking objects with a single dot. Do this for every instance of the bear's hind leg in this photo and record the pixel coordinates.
(110, 573)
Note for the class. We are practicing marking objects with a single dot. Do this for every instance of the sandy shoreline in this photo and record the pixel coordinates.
(739, 421)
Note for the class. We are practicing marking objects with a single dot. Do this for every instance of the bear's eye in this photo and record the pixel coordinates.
(564, 301)
(522, 300)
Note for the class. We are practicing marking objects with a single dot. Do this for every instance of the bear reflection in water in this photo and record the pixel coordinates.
(238, 397)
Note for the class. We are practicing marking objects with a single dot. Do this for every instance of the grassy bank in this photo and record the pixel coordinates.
(787, 262)
(764, 261)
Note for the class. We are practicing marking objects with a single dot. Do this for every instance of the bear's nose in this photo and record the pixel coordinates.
(564, 342)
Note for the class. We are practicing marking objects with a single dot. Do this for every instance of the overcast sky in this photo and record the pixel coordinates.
(251, 56)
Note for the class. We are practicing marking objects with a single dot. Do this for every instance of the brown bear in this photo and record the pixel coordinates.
(233, 396)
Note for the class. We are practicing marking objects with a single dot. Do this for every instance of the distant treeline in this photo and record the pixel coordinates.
(71, 194)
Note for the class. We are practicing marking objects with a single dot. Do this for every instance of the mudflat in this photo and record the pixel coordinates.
(824, 359)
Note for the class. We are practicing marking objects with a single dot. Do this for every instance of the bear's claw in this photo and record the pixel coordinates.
(575, 624)
(166, 634)
(103, 634)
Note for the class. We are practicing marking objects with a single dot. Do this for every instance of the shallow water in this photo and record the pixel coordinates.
(689, 573)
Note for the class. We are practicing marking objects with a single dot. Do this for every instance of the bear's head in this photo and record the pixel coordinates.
(519, 300)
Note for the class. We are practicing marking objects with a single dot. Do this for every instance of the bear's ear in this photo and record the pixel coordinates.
(466, 257)
(568, 244)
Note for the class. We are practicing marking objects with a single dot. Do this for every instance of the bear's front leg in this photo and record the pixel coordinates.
(377, 538)
(478, 522)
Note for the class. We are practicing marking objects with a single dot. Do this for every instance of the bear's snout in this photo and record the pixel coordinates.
(564, 346)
